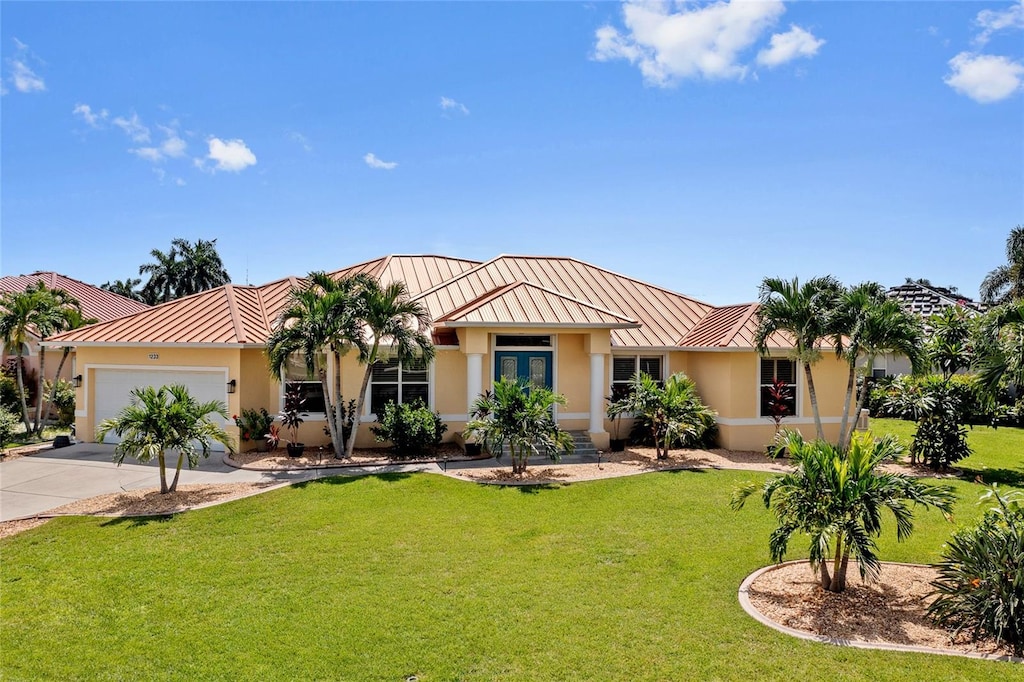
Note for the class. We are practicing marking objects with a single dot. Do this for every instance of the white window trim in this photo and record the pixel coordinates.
(798, 370)
(373, 417)
(306, 416)
(610, 367)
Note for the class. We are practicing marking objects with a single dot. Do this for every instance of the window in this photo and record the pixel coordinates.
(295, 374)
(779, 369)
(401, 383)
(520, 340)
(625, 367)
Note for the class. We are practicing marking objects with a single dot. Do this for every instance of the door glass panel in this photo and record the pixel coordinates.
(509, 368)
(538, 372)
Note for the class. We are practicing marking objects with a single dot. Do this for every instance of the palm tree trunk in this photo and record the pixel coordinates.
(838, 582)
(339, 410)
(177, 473)
(814, 402)
(56, 377)
(329, 412)
(38, 427)
(851, 388)
(21, 392)
(842, 569)
(163, 474)
(350, 448)
(826, 579)
(863, 399)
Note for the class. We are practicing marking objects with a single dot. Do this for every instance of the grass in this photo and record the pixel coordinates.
(49, 433)
(382, 577)
(998, 453)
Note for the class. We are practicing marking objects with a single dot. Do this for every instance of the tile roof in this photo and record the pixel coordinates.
(95, 302)
(525, 303)
(926, 300)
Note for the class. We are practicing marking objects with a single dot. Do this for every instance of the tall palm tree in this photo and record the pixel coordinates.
(837, 497)
(163, 277)
(393, 326)
(844, 322)
(199, 266)
(18, 312)
(1000, 347)
(520, 417)
(71, 318)
(53, 308)
(125, 287)
(1006, 283)
(322, 315)
(166, 418)
(803, 311)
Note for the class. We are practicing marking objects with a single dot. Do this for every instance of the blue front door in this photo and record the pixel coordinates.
(531, 366)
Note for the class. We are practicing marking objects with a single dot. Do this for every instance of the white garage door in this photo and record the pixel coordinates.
(114, 386)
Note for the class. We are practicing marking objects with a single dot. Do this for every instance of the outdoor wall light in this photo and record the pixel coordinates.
(76, 381)
(231, 386)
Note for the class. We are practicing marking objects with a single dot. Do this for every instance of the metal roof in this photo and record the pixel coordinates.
(731, 326)
(525, 303)
(95, 302)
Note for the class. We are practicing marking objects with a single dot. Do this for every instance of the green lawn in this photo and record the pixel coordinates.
(382, 577)
(998, 453)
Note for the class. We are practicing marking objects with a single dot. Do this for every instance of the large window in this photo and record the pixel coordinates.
(295, 374)
(783, 371)
(392, 381)
(625, 367)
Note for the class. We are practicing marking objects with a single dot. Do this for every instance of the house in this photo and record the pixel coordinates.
(576, 327)
(96, 303)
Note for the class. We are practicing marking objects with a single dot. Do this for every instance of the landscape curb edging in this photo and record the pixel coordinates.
(347, 465)
(753, 612)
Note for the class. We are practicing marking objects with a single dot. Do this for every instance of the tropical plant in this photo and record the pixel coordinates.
(981, 576)
(253, 424)
(614, 410)
(8, 424)
(940, 407)
(949, 348)
(520, 417)
(126, 287)
(163, 277)
(70, 318)
(291, 417)
(1006, 283)
(412, 429)
(672, 413)
(10, 397)
(162, 419)
(780, 398)
(323, 315)
(803, 312)
(999, 348)
(198, 266)
(836, 497)
(62, 397)
(56, 310)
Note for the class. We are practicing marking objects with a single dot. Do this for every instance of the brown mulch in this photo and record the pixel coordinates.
(9, 528)
(892, 610)
(24, 450)
(320, 457)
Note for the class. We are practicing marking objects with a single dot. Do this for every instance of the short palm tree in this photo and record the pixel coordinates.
(321, 316)
(520, 417)
(54, 309)
(673, 412)
(1006, 283)
(803, 311)
(836, 498)
(162, 419)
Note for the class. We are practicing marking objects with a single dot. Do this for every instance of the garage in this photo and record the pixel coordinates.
(114, 386)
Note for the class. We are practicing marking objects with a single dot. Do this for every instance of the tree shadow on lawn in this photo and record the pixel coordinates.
(1011, 477)
(139, 521)
(387, 477)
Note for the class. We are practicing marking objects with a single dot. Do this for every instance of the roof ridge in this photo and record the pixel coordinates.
(500, 291)
(263, 309)
(53, 285)
(480, 300)
(441, 285)
(735, 329)
(569, 297)
(236, 320)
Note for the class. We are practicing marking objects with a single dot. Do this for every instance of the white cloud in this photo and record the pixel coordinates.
(133, 127)
(448, 104)
(172, 147)
(20, 74)
(148, 153)
(301, 140)
(230, 155)
(93, 118)
(673, 42)
(373, 162)
(784, 47)
(179, 182)
(991, 21)
(984, 78)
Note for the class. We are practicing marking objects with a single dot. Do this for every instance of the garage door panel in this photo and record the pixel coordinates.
(114, 387)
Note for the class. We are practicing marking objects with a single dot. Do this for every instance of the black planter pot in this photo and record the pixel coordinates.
(473, 449)
(617, 444)
(295, 449)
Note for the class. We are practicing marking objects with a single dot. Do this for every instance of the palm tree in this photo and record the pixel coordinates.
(836, 497)
(53, 308)
(392, 326)
(949, 348)
(672, 412)
(1006, 283)
(17, 318)
(199, 266)
(520, 417)
(71, 318)
(803, 312)
(999, 347)
(166, 418)
(324, 314)
(163, 277)
(125, 287)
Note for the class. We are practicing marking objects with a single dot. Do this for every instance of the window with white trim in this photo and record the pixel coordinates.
(784, 371)
(296, 374)
(625, 367)
(392, 381)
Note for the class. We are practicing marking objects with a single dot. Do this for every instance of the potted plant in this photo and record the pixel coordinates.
(291, 420)
(253, 425)
(614, 412)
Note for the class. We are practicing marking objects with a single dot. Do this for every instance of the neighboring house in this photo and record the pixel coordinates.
(576, 327)
(922, 300)
(95, 302)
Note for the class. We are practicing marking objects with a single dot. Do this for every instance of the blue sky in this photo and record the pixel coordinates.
(700, 146)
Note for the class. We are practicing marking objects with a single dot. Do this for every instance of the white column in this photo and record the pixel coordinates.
(474, 374)
(597, 389)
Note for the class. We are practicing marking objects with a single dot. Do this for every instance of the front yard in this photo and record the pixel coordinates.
(384, 577)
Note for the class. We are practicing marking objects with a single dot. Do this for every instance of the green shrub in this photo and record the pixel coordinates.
(9, 399)
(8, 424)
(63, 401)
(254, 424)
(981, 577)
(941, 408)
(412, 429)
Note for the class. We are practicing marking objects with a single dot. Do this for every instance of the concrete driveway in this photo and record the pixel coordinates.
(51, 478)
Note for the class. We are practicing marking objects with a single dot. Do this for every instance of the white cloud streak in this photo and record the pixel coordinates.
(373, 162)
(20, 73)
(300, 140)
(448, 104)
(93, 118)
(785, 47)
(132, 127)
(992, 21)
(984, 78)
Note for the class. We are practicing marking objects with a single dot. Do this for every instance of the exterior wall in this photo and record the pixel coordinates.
(573, 376)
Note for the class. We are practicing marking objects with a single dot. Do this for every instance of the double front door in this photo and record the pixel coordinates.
(533, 367)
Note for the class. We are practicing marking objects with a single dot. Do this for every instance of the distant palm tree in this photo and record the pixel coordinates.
(199, 266)
(1000, 347)
(803, 311)
(163, 277)
(1006, 283)
(125, 287)
(166, 418)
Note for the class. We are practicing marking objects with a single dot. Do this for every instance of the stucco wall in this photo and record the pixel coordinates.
(573, 380)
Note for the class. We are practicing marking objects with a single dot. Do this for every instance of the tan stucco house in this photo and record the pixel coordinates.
(576, 327)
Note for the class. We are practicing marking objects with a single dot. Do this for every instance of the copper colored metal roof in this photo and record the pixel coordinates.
(731, 326)
(95, 302)
(418, 272)
(525, 303)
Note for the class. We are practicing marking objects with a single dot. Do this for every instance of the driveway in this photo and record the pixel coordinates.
(38, 483)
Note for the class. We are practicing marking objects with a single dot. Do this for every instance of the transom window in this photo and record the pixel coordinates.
(520, 340)
(625, 367)
(295, 374)
(392, 381)
(783, 370)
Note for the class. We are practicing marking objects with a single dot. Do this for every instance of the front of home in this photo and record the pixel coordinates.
(577, 328)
